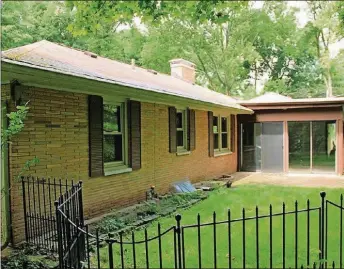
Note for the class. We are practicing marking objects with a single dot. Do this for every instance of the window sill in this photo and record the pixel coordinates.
(222, 153)
(117, 170)
(184, 152)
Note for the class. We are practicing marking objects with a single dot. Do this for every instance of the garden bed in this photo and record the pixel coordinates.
(130, 218)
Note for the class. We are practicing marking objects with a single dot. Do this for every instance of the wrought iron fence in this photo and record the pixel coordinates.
(186, 246)
(39, 195)
(69, 222)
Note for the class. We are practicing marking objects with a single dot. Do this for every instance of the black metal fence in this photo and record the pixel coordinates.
(39, 196)
(69, 222)
(295, 238)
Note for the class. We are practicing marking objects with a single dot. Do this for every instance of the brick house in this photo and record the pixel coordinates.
(120, 128)
(117, 127)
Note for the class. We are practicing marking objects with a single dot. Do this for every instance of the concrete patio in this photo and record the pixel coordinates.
(296, 180)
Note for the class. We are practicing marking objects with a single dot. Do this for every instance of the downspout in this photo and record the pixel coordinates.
(6, 183)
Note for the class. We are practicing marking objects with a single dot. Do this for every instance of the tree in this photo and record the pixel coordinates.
(325, 27)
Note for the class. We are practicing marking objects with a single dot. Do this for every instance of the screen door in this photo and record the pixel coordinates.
(272, 147)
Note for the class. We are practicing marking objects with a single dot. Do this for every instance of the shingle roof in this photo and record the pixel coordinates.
(61, 59)
(275, 99)
(269, 97)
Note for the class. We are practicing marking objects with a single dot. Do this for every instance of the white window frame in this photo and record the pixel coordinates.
(221, 150)
(119, 166)
(184, 129)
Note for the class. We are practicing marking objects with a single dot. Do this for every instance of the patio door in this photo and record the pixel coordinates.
(272, 147)
(312, 146)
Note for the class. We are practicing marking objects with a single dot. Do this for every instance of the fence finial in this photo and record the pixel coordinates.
(323, 194)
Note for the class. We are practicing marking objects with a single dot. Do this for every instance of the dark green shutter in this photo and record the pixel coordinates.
(191, 129)
(95, 121)
(233, 132)
(172, 114)
(210, 134)
(134, 131)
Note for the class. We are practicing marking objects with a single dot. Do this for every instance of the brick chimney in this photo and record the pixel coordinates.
(183, 69)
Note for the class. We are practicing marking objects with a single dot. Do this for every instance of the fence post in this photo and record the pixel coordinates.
(81, 207)
(24, 204)
(110, 241)
(59, 235)
(322, 250)
(179, 247)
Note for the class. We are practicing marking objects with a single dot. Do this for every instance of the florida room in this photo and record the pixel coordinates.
(292, 136)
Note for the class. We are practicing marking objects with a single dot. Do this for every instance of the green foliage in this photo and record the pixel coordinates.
(132, 217)
(16, 124)
(29, 258)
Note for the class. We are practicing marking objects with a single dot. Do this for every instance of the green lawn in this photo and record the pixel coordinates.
(236, 198)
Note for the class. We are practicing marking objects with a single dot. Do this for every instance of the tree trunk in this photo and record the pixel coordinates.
(328, 83)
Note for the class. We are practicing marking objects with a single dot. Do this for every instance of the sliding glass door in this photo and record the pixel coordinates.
(312, 146)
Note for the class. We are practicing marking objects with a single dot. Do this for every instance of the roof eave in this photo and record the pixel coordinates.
(239, 108)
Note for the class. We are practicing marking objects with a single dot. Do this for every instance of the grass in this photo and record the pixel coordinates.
(247, 196)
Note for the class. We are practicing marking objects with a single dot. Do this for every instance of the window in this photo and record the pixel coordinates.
(221, 133)
(181, 126)
(114, 135)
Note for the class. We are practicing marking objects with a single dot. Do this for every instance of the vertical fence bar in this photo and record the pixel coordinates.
(243, 240)
(134, 249)
(308, 228)
(326, 231)
(283, 235)
(214, 240)
(110, 242)
(175, 247)
(323, 195)
(88, 248)
(229, 240)
(257, 238)
(81, 213)
(341, 233)
(270, 221)
(34, 212)
(159, 241)
(296, 235)
(25, 212)
(146, 246)
(121, 248)
(98, 248)
(59, 235)
(41, 228)
(29, 213)
(320, 233)
(45, 215)
(183, 246)
(199, 241)
(178, 218)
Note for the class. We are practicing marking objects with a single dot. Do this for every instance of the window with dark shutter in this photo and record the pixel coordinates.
(233, 132)
(134, 130)
(191, 130)
(210, 133)
(95, 119)
(172, 114)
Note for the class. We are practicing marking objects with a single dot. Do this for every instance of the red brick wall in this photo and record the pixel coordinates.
(56, 132)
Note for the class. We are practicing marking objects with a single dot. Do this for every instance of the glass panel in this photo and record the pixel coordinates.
(215, 125)
(224, 125)
(324, 146)
(180, 138)
(216, 141)
(251, 146)
(224, 141)
(112, 118)
(179, 120)
(299, 146)
(113, 148)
